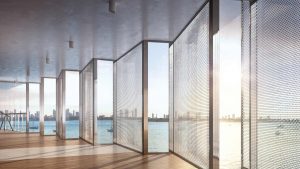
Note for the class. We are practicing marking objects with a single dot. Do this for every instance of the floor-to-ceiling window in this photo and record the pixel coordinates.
(271, 76)
(230, 84)
(49, 106)
(129, 98)
(34, 107)
(67, 126)
(87, 103)
(158, 114)
(104, 101)
(191, 91)
(13, 106)
(71, 107)
(171, 99)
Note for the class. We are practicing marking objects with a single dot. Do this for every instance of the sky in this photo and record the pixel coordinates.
(230, 58)
(104, 88)
(158, 79)
(49, 96)
(72, 91)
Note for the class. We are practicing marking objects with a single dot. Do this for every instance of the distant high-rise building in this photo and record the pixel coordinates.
(54, 113)
(67, 113)
(36, 114)
(233, 116)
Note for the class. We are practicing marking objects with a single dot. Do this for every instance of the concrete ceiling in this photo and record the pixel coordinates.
(30, 30)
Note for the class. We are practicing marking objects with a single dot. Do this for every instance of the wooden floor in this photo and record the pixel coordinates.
(34, 151)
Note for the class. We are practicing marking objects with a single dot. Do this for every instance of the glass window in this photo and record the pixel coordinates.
(104, 101)
(158, 115)
(34, 107)
(230, 84)
(13, 106)
(72, 104)
(49, 106)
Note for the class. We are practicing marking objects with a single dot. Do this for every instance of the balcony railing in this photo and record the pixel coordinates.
(13, 121)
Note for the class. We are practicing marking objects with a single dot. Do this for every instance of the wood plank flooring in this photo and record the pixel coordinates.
(42, 152)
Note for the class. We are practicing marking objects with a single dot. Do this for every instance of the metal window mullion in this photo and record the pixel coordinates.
(115, 102)
(253, 88)
(27, 107)
(145, 97)
(213, 82)
(93, 110)
(42, 121)
(63, 105)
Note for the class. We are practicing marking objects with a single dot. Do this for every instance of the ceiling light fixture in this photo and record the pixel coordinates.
(47, 59)
(71, 42)
(112, 6)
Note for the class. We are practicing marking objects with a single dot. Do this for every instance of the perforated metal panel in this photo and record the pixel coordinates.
(115, 103)
(191, 91)
(129, 100)
(274, 84)
(245, 112)
(171, 97)
(87, 103)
